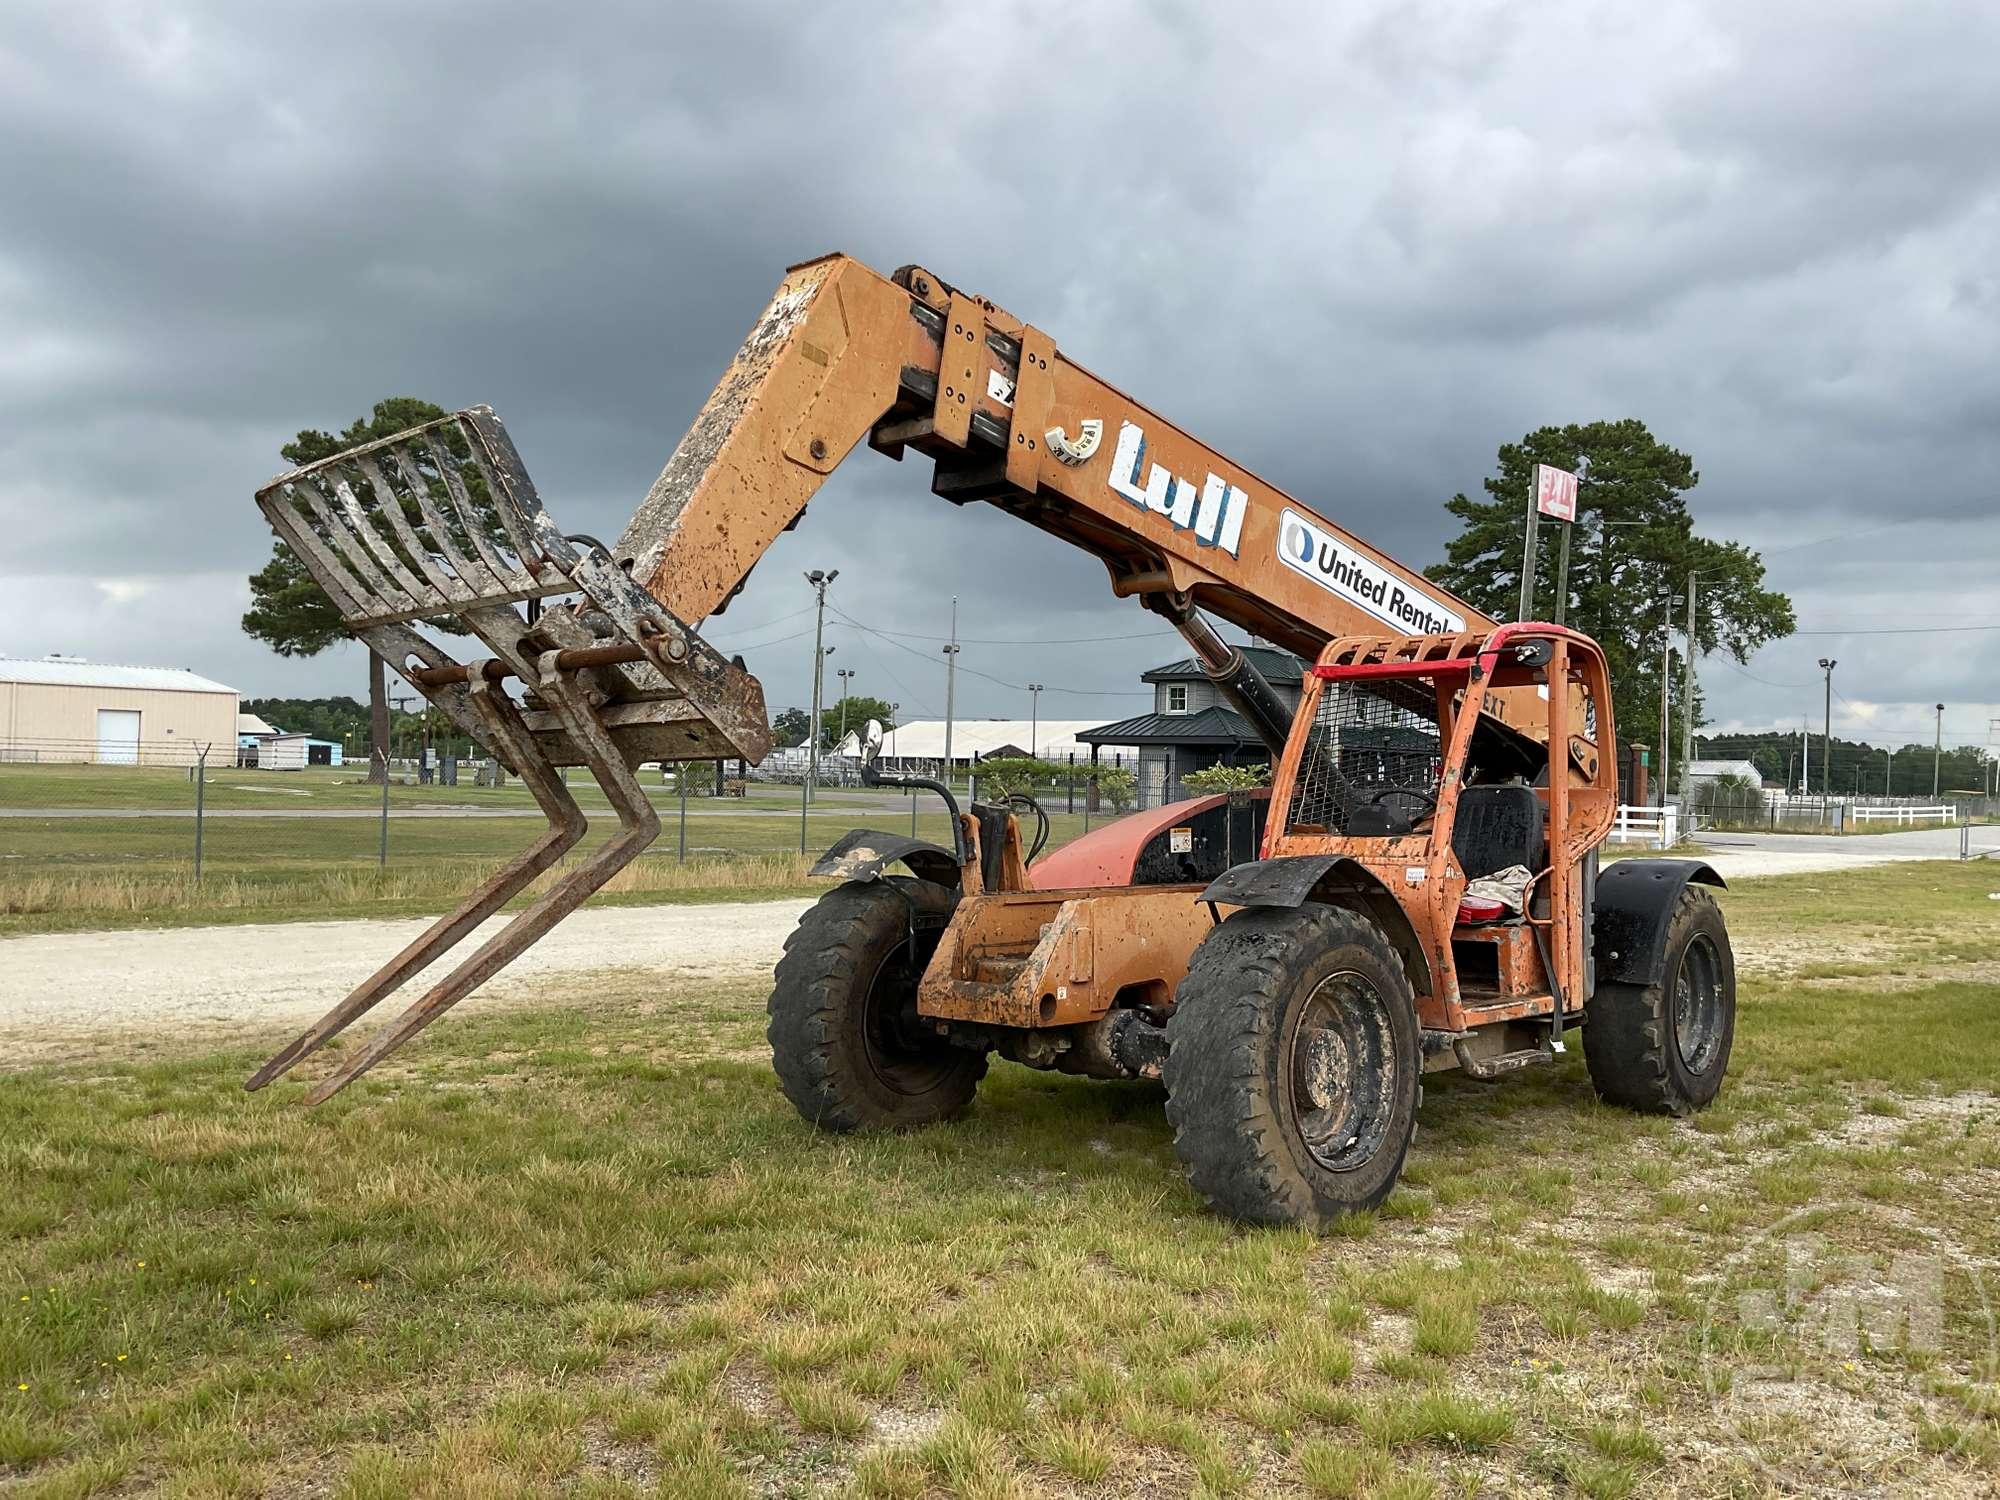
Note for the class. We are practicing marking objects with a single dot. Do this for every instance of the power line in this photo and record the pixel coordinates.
(729, 630)
(1905, 630)
(760, 645)
(1801, 686)
(1078, 640)
(908, 697)
(1837, 537)
(988, 676)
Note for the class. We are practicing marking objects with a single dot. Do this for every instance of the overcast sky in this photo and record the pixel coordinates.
(1354, 247)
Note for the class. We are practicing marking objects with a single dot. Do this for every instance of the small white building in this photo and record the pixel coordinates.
(1700, 771)
(65, 710)
(919, 744)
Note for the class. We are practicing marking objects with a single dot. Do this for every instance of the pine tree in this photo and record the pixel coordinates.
(289, 611)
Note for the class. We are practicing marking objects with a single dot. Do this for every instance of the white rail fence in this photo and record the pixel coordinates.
(1944, 812)
(1657, 826)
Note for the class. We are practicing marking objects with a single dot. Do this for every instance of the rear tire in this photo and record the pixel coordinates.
(1663, 1048)
(845, 1038)
(1293, 1066)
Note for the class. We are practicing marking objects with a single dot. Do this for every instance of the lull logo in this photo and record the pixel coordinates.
(1214, 513)
(1336, 567)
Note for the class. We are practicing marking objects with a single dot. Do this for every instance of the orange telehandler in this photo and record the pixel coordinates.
(1420, 889)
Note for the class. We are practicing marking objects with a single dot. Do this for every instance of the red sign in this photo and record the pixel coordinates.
(1555, 492)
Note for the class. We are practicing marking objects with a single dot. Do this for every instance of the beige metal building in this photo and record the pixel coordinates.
(64, 710)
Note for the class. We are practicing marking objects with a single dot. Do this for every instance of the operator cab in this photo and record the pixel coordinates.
(1386, 750)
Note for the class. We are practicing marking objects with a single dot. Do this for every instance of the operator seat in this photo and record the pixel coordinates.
(1498, 826)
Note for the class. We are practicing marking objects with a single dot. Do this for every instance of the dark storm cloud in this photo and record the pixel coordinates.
(1356, 250)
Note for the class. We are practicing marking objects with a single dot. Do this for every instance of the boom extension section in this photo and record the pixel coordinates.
(439, 531)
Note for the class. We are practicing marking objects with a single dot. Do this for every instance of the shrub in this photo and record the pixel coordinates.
(1227, 779)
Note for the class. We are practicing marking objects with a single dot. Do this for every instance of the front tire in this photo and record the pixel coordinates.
(846, 1042)
(1293, 1066)
(1663, 1048)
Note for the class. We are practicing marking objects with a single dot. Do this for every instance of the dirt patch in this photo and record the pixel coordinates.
(895, 1427)
(1777, 953)
(1985, 972)
(71, 995)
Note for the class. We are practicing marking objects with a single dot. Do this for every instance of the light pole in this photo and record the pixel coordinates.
(1826, 665)
(1687, 698)
(1937, 753)
(819, 581)
(845, 674)
(1666, 677)
(1034, 717)
(950, 686)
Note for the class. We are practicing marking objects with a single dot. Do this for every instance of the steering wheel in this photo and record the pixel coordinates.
(1429, 799)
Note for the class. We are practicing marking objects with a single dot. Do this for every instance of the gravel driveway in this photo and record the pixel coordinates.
(67, 993)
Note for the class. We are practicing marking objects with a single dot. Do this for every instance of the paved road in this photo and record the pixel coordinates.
(1801, 853)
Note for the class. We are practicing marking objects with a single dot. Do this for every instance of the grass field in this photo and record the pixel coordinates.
(72, 873)
(113, 787)
(590, 1250)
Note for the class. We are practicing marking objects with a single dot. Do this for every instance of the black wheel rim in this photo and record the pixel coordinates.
(1698, 1004)
(902, 1059)
(1342, 1066)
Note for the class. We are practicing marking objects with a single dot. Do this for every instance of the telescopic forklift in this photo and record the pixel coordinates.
(1420, 889)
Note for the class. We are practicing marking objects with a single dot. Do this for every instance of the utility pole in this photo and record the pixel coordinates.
(950, 687)
(1687, 699)
(1034, 717)
(819, 581)
(1826, 665)
(844, 674)
(1562, 573)
(1937, 754)
(1666, 675)
(1526, 610)
(1889, 771)
(1805, 756)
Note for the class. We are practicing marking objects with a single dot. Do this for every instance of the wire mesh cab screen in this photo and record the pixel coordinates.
(1372, 760)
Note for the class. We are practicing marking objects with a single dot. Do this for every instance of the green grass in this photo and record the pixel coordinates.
(591, 1250)
(70, 874)
(319, 787)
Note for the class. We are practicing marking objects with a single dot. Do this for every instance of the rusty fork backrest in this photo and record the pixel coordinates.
(439, 532)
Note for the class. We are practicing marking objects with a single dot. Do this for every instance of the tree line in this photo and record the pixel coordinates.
(1871, 770)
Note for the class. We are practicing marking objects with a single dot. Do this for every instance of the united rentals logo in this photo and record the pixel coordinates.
(1336, 567)
(1214, 513)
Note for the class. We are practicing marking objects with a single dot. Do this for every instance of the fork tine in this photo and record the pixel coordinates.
(639, 825)
(566, 826)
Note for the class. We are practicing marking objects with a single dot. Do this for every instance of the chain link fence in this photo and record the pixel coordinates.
(159, 838)
(1751, 812)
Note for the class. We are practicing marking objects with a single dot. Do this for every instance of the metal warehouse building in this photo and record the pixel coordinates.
(64, 710)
